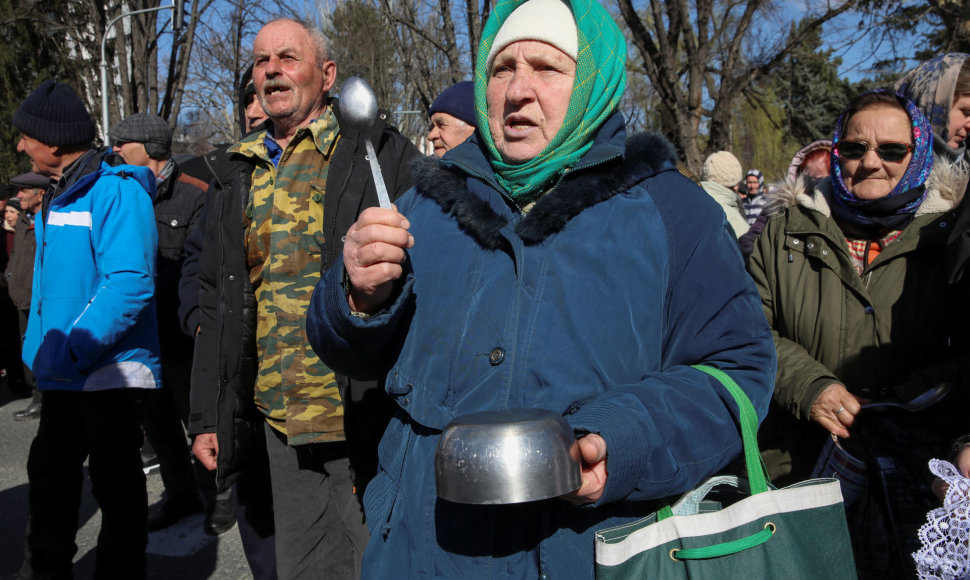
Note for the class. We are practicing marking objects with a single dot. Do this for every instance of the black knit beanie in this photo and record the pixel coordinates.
(54, 115)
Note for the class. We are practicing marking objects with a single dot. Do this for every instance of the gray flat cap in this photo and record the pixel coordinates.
(31, 181)
(144, 128)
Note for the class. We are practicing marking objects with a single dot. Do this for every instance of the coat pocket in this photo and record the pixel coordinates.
(315, 238)
(383, 490)
(52, 363)
(173, 228)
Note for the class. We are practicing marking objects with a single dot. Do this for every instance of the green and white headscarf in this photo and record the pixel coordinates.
(598, 87)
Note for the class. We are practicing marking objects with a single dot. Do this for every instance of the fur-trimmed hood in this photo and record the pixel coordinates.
(611, 167)
(945, 188)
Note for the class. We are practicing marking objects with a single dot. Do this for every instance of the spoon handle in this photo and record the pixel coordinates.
(375, 170)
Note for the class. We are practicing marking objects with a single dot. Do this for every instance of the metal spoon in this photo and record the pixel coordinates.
(358, 107)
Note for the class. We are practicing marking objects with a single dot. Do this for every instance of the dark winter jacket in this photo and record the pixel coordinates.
(592, 305)
(178, 207)
(20, 269)
(888, 335)
(225, 367)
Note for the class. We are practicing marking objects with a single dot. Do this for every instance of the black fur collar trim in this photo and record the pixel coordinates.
(645, 155)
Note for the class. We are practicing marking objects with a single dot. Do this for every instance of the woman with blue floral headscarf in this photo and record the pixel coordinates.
(549, 262)
(852, 278)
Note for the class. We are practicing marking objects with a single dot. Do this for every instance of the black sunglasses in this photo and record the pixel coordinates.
(892, 152)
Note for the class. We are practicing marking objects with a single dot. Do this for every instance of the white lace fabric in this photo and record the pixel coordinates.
(945, 537)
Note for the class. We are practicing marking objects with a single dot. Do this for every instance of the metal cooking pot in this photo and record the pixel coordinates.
(507, 456)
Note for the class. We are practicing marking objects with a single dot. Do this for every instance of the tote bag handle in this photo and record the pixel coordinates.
(748, 419)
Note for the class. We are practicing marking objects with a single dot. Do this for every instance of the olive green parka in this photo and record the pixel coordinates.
(889, 334)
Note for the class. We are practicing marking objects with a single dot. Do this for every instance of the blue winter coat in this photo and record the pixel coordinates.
(92, 322)
(593, 304)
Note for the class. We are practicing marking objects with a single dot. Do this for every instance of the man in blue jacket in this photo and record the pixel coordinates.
(92, 339)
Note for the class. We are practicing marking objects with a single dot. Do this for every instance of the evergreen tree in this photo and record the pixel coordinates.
(810, 91)
(29, 55)
(363, 46)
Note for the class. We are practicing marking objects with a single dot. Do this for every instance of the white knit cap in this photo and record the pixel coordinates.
(548, 21)
(722, 167)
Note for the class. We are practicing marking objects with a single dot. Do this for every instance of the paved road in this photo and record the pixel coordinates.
(182, 552)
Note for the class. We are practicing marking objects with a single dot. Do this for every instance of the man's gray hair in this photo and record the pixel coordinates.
(320, 40)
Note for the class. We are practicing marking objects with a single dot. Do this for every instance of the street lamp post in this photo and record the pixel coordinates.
(176, 24)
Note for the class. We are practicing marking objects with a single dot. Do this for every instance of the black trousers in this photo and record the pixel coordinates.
(163, 427)
(10, 341)
(167, 415)
(319, 522)
(105, 428)
(253, 495)
(29, 380)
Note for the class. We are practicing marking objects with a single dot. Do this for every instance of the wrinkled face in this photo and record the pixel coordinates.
(447, 132)
(751, 182)
(959, 120)
(871, 177)
(42, 156)
(528, 95)
(10, 214)
(291, 85)
(254, 113)
(30, 199)
(133, 153)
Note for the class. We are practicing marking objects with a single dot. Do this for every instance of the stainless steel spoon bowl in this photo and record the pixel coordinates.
(358, 107)
(507, 456)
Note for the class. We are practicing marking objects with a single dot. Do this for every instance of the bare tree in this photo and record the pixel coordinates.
(223, 51)
(700, 57)
(133, 48)
(433, 55)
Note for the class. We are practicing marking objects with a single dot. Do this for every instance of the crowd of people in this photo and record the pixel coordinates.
(256, 308)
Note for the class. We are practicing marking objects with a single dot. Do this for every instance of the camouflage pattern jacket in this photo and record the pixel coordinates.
(226, 365)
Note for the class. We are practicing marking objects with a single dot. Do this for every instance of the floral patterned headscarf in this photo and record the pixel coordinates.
(896, 209)
(931, 85)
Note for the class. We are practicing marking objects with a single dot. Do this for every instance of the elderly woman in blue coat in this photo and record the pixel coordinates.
(548, 262)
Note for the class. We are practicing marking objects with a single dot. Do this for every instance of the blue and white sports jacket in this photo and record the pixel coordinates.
(92, 322)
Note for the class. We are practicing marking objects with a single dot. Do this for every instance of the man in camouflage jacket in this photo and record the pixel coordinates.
(274, 219)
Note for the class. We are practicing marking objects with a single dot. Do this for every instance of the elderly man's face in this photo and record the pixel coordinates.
(133, 153)
(254, 113)
(30, 199)
(42, 156)
(528, 95)
(292, 86)
(447, 132)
